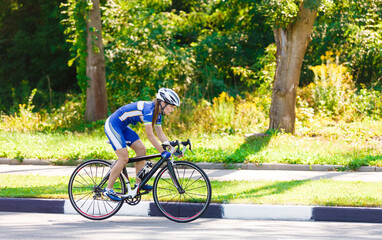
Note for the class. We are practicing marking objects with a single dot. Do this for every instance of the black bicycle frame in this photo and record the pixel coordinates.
(155, 169)
(151, 172)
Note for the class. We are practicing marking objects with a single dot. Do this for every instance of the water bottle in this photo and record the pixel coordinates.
(142, 174)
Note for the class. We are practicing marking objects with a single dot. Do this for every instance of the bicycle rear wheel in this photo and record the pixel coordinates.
(85, 191)
(187, 206)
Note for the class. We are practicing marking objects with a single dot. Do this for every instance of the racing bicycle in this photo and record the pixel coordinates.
(181, 190)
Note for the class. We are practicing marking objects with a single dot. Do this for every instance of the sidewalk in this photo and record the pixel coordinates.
(215, 172)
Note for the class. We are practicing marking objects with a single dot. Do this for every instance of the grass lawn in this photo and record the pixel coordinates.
(349, 144)
(310, 192)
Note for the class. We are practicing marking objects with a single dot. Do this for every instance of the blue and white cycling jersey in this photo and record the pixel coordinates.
(117, 125)
(133, 113)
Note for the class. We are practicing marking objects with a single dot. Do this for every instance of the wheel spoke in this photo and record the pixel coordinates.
(187, 206)
(85, 194)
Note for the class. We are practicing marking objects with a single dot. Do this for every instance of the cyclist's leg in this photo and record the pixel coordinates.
(140, 150)
(137, 145)
(123, 159)
(118, 142)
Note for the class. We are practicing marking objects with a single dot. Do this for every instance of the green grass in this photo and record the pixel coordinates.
(306, 192)
(350, 144)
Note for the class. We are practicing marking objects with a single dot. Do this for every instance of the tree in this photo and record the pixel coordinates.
(293, 22)
(84, 31)
(96, 96)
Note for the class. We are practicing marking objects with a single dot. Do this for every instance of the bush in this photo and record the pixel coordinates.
(68, 116)
(225, 115)
(333, 95)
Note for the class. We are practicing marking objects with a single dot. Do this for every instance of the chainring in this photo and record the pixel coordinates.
(133, 201)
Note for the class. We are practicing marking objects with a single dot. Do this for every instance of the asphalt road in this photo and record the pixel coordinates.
(59, 226)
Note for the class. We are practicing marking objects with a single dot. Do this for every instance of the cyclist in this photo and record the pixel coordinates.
(121, 135)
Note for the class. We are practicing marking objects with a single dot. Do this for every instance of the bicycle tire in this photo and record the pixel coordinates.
(182, 207)
(86, 198)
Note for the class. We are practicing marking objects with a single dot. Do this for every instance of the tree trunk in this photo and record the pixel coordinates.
(291, 47)
(96, 96)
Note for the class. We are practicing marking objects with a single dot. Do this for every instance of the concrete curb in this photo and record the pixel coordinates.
(243, 166)
(225, 211)
(26, 161)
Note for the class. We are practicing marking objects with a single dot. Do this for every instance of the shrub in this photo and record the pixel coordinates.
(367, 103)
(26, 120)
(225, 115)
(333, 95)
(332, 87)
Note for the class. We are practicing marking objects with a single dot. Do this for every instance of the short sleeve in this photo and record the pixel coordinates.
(148, 112)
(159, 120)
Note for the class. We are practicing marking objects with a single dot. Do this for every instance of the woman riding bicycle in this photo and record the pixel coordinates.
(121, 135)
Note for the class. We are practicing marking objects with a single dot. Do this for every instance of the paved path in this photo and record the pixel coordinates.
(216, 174)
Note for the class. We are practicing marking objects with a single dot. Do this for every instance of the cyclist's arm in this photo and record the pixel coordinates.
(162, 137)
(152, 138)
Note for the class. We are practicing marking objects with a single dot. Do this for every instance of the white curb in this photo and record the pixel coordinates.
(229, 211)
(68, 208)
(267, 212)
(141, 209)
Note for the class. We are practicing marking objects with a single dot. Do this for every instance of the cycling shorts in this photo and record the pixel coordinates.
(119, 136)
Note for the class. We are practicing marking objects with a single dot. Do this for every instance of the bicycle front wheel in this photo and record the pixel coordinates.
(85, 190)
(182, 206)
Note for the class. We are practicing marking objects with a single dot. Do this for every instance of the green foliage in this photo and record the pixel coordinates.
(141, 54)
(333, 95)
(352, 28)
(367, 103)
(283, 13)
(262, 73)
(332, 86)
(280, 13)
(225, 115)
(200, 48)
(67, 116)
(76, 12)
(33, 54)
(195, 52)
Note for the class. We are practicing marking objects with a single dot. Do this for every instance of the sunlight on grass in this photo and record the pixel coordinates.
(315, 192)
(33, 186)
(351, 144)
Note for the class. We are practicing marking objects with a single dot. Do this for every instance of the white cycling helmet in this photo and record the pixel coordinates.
(168, 96)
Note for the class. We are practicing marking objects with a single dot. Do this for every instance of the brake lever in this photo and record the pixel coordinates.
(187, 143)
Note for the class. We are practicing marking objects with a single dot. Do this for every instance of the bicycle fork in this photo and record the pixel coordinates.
(174, 178)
